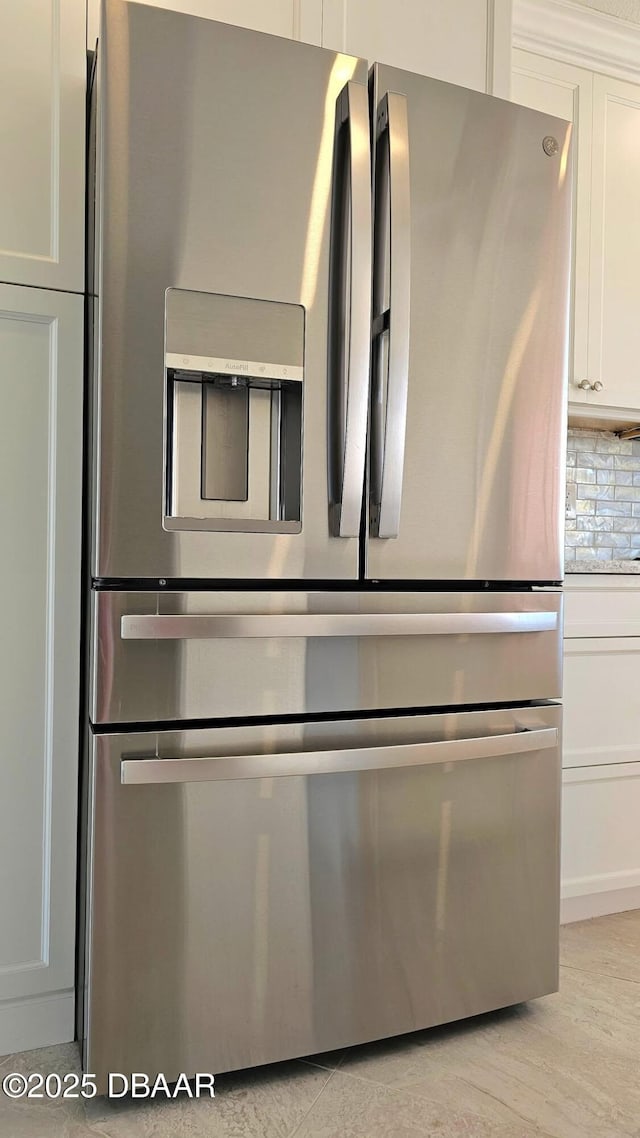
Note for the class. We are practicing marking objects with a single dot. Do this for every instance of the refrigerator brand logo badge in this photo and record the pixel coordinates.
(550, 145)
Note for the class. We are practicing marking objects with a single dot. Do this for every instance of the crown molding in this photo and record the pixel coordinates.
(579, 35)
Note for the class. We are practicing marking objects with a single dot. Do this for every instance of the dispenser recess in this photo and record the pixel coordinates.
(234, 371)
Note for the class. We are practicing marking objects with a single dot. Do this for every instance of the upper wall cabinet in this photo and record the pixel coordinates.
(560, 89)
(568, 47)
(614, 295)
(604, 378)
(293, 19)
(461, 41)
(42, 104)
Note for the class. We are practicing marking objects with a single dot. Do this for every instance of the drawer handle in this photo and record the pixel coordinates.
(228, 768)
(204, 627)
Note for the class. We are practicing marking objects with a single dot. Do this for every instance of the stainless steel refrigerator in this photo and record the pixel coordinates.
(329, 314)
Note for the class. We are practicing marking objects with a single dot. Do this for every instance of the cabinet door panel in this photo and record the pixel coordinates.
(460, 41)
(614, 327)
(41, 342)
(601, 837)
(602, 711)
(560, 89)
(42, 101)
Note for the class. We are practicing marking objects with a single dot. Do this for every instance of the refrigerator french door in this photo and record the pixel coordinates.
(471, 322)
(233, 327)
(217, 151)
(262, 892)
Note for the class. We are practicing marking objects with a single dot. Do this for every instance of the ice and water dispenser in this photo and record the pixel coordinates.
(234, 376)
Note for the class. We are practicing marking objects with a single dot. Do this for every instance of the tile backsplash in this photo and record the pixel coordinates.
(604, 475)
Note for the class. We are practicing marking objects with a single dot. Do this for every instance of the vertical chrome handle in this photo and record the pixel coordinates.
(392, 290)
(351, 286)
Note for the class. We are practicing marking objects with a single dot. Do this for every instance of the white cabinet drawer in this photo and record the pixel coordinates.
(602, 606)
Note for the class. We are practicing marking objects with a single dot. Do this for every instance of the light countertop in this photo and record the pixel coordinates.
(627, 566)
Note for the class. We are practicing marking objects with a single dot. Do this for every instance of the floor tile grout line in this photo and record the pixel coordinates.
(96, 1129)
(604, 975)
(402, 1092)
(372, 1083)
(318, 1066)
(528, 1121)
(323, 1066)
(368, 1081)
(323, 1088)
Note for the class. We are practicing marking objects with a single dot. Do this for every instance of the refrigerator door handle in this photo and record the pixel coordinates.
(194, 626)
(351, 341)
(391, 318)
(233, 767)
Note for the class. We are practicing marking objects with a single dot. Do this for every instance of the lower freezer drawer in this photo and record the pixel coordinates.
(375, 877)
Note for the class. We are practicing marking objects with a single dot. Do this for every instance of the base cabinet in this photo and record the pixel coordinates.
(600, 840)
(601, 752)
(41, 346)
(602, 709)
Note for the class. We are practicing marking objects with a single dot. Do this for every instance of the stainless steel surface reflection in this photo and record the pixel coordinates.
(241, 922)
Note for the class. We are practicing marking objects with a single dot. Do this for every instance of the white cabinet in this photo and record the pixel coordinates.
(293, 19)
(461, 41)
(601, 747)
(42, 106)
(41, 349)
(602, 709)
(600, 840)
(614, 296)
(561, 89)
(606, 329)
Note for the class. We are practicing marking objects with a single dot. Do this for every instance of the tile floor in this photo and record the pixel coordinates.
(566, 1066)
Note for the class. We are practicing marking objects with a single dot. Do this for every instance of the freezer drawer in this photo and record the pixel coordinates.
(168, 656)
(259, 893)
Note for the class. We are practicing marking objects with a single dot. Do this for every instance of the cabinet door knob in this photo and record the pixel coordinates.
(597, 386)
(585, 385)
